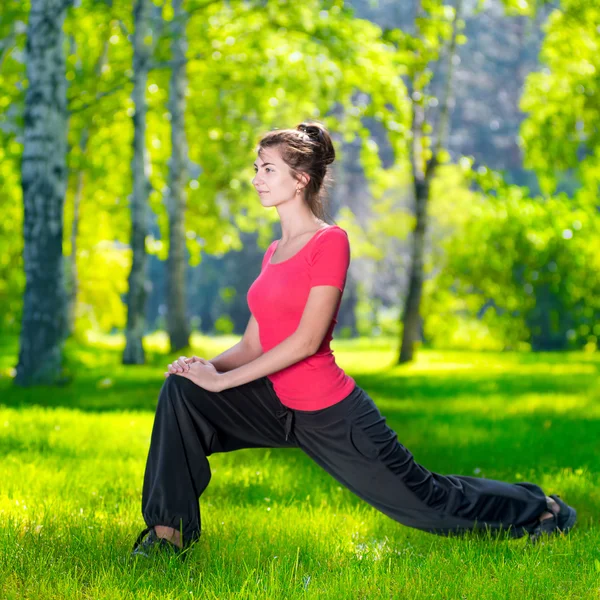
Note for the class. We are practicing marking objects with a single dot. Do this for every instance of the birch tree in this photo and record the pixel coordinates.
(435, 38)
(137, 290)
(177, 323)
(44, 181)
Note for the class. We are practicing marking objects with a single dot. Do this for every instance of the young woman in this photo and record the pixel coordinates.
(280, 387)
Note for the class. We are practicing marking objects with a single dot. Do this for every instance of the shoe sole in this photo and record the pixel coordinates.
(571, 519)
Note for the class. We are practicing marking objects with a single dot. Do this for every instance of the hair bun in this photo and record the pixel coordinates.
(317, 133)
(311, 130)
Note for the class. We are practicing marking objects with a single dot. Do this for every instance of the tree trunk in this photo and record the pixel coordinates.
(411, 317)
(44, 183)
(136, 296)
(423, 172)
(177, 322)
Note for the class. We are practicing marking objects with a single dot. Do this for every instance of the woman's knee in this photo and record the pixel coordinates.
(181, 391)
(173, 389)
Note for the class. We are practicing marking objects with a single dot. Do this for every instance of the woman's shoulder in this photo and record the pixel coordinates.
(332, 232)
(331, 242)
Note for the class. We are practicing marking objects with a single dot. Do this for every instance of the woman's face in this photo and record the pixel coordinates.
(273, 179)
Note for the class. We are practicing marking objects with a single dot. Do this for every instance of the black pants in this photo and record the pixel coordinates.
(350, 440)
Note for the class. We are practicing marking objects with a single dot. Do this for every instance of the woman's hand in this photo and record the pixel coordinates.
(182, 364)
(199, 371)
(205, 375)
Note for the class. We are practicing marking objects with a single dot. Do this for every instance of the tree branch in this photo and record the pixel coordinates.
(174, 63)
(7, 46)
(98, 97)
(444, 119)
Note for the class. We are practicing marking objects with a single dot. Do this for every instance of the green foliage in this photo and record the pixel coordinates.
(515, 271)
(250, 68)
(562, 100)
(529, 271)
(13, 19)
(224, 324)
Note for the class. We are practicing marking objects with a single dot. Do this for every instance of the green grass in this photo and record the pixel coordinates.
(274, 524)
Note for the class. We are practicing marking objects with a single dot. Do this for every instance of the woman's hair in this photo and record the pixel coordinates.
(306, 149)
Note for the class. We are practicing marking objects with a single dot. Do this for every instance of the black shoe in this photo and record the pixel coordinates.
(562, 522)
(153, 545)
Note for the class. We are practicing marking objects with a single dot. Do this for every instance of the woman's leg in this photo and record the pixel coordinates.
(190, 425)
(352, 442)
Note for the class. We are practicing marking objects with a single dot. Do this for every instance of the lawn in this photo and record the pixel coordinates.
(274, 524)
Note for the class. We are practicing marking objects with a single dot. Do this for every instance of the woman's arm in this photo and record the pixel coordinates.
(293, 349)
(234, 357)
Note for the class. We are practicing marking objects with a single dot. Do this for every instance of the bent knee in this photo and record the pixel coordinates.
(173, 386)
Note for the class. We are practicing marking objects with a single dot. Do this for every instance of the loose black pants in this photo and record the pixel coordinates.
(350, 440)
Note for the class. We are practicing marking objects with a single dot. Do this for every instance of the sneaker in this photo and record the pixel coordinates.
(562, 522)
(153, 544)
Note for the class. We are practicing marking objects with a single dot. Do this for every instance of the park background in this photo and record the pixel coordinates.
(467, 178)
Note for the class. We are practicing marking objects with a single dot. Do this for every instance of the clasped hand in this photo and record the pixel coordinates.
(198, 370)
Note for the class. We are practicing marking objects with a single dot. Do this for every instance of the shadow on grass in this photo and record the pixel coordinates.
(101, 383)
(527, 408)
(112, 387)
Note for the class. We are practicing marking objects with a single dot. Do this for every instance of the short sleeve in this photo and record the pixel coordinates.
(330, 259)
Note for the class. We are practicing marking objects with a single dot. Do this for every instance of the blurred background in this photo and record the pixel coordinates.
(467, 171)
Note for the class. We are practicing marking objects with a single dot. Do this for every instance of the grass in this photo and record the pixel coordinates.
(274, 524)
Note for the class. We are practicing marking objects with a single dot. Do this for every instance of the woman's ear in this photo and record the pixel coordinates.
(304, 179)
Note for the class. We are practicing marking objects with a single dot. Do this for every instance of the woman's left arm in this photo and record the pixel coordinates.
(329, 266)
(323, 301)
(290, 351)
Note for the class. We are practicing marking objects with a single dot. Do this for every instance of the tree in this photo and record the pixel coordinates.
(44, 181)
(136, 294)
(178, 326)
(436, 34)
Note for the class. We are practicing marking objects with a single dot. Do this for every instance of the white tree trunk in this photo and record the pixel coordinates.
(136, 296)
(44, 183)
(177, 322)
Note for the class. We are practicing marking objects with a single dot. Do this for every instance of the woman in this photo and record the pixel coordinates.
(280, 387)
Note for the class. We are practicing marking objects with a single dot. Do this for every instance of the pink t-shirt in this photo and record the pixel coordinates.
(277, 298)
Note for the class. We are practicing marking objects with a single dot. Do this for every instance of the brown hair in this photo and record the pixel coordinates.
(306, 149)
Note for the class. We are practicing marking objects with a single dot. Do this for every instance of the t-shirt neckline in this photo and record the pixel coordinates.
(299, 251)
